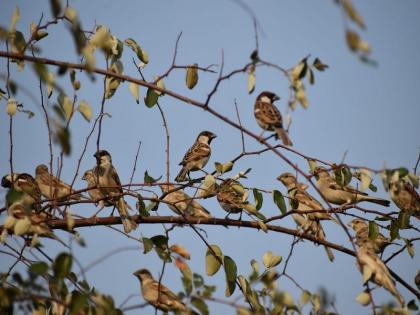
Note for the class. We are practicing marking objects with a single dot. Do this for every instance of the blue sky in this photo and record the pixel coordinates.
(369, 114)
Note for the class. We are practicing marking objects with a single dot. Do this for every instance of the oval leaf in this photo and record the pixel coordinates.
(191, 77)
(213, 263)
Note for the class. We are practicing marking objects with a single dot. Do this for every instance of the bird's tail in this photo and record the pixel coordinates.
(182, 175)
(321, 236)
(282, 134)
(128, 223)
(379, 201)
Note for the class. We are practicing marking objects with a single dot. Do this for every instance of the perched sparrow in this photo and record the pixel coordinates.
(94, 193)
(373, 268)
(197, 156)
(362, 236)
(232, 196)
(268, 116)
(157, 294)
(340, 195)
(51, 187)
(179, 202)
(417, 279)
(23, 190)
(405, 196)
(302, 201)
(110, 186)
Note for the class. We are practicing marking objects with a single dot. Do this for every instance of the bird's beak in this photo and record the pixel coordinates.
(276, 98)
(213, 136)
(278, 177)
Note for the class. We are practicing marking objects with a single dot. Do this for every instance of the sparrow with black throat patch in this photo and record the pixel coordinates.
(158, 295)
(197, 156)
(269, 117)
(51, 187)
(342, 195)
(23, 190)
(110, 185)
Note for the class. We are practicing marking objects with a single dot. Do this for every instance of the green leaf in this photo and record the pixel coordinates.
(39, 268)
(85, 109)
(255, 266)
(78, 302)
(343, 175)
(404, 220)
(62, 265)
(394, 231)
(147, 245)
(311, 77)
(279, 201)
(258, 197)
(219, 167)
(161, 247)
(412, 305)
(230, 268)
(212, 263)
(191, 77)
(373, 187)
(151, 98)
(373, 230)
(41, 70)
(141, 54)
(200, 305)
(198, 280)
(149, 179)
(62, 136)
(55, 7)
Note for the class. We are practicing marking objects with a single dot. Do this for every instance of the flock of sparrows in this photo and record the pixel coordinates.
(23, 200)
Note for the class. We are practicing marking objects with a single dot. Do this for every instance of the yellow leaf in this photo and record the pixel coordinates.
(363, 298)
(68, 107)
(11, 106)
(191, 76)
(353, 14)
(70, 220)
(50, 83)
(88, 53)
(305, 296)
(301, 97)
(22, 226)
(353, 40)
(134, 90)
(160, 84)
(312, 165)
(71, 14)
(263, 226)
(365, 178)
(297, 70)
(15, 19)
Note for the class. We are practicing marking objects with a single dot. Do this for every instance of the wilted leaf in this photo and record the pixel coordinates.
(319, 65)
(11, 106)
(134, 90)
(353, 14)
(159, 84)
(301, 98)
(191, 77)
(279, 201)
(85, 109)
(299, 71)
(181, 251)
(353, 40)
(212, 263)
(62, 136)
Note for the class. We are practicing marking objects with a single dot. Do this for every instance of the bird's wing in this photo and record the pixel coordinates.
(29, 186)
(269, 114)
(195, 153)
(116, 178)
(165, 293)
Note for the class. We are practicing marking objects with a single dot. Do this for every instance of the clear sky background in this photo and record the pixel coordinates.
(371, 114)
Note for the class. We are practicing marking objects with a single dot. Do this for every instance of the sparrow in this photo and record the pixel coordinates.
(341, 195)
(417, 279)
(180, 203)
(362, 236)
(197, 156)
(51, 187)
(405, 196)
(231, 196)
(300, 200)
(157, 294)
(374, 269)
(94, 193)
(110, 185)
(23, 190)
(268, 116)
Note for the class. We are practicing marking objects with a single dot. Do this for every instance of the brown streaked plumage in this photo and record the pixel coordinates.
(362, 236)
(268, 116)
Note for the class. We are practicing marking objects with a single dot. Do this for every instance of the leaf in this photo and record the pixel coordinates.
(212, 263)
(149, 179)
(353, 40)
(353, 14)
(231, 274)
(373, 230)
(305, 297)
(299, 71)
(15, 19)
(301, 97)
(244, 284)
(343, 175)
(363, 298)
(255, 266)
(50, 83)
(141, 54)
(66, 104)
(78, 302)
(191, 77)
(414, 179)
(134, 90)
(270, 260)
(71, 14)
(151, 98)
(181, 251)
(63, 138)
(11, 106)
(39, 268)
(312, 165)
(279, 201)
(159, 84)
(394, 230)
(62, 265)
(263, 226)
(319, 65)
(200, 305)
(22, 226)
(251, 79)
(85, 109)
(404, 220)
(365, 178)
(55, 7)
(258, 197)
(161, 247)
(311, 77)
(147, 245)
(412, 305)
(410, 248)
